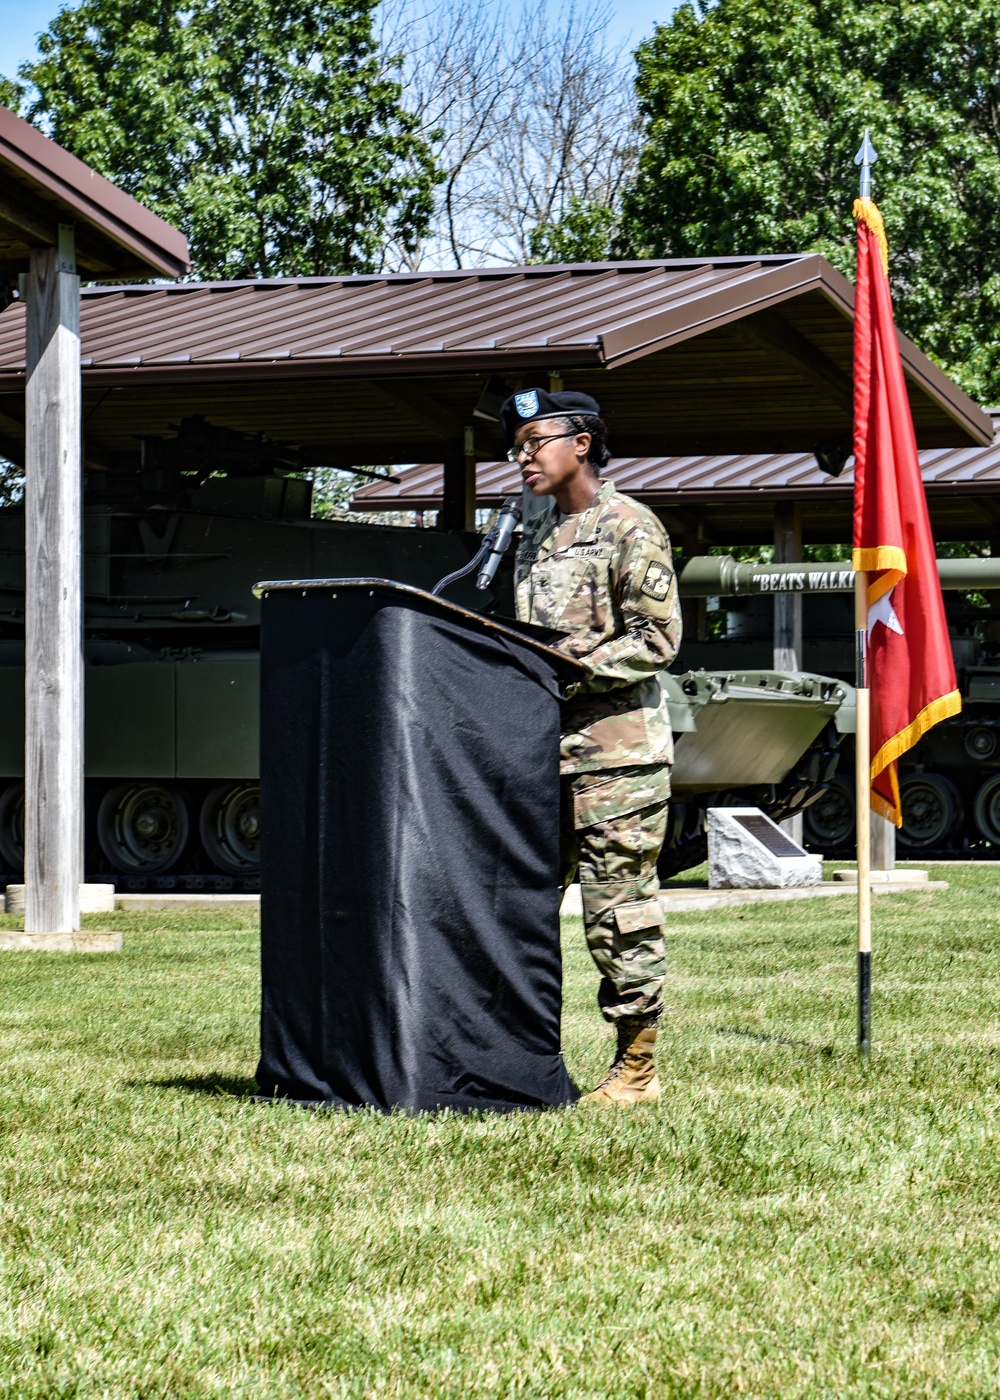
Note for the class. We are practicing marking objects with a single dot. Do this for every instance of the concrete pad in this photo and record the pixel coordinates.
(94, 899)
(686, 900)
(163, 903)
(883, 877)
(86, 941)
(902, 864)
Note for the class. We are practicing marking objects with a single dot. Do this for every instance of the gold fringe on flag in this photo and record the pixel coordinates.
(866, 212)
(892, 811)
(942, 708)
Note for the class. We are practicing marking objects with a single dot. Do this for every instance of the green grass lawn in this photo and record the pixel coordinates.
(787, 1222)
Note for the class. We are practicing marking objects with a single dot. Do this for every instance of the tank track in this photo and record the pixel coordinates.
(957, 764)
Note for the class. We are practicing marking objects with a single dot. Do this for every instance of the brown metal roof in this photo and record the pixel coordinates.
(42, 186)
(597, 314)
(734, 496)
(685, 357)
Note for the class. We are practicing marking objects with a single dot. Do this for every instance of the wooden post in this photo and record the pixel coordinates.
(458, 508)
(53, 769)
(787, 606)
(883, 843)
(787, 655)
(694, 611)
(862, 788)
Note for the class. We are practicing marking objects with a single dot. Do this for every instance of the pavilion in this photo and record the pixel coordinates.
(58, 219)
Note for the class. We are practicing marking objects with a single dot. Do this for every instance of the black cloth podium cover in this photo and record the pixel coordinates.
(410, 862)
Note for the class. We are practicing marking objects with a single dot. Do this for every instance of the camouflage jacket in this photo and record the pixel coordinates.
(609, 584)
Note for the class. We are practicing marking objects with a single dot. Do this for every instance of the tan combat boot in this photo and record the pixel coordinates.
(633, 1077)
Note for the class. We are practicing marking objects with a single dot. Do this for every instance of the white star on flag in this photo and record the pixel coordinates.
(884, 612)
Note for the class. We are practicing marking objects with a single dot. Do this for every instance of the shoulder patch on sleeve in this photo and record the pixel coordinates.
(656, 581)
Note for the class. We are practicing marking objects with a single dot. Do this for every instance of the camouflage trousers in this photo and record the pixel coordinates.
(613, 825)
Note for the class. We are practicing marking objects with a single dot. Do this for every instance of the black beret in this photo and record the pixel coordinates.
(537, 403)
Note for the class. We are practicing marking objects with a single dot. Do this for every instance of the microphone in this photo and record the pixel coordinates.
(510, 514)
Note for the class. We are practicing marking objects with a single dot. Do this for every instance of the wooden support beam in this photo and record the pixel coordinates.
(694, 611)
(458, 508)
(431, 412)
(883, 843)
(770, 330)
(788, 613)
(28, 218)
(691, 525)
(787, 606)
(12, 428)
(53, 836)
(423, 408)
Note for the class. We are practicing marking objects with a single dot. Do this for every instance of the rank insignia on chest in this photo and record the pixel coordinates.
(656, 581)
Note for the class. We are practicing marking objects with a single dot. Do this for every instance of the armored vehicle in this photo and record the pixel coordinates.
(765, 739)
(950, 781)
(171, 674)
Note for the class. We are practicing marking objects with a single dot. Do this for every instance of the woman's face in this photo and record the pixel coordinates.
(553, 463)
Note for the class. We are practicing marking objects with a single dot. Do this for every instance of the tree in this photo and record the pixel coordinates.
(751, 117)
(272, 131)
(567, 144)
(531, 119)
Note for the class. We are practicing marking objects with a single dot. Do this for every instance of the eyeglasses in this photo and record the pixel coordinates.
(532, 444)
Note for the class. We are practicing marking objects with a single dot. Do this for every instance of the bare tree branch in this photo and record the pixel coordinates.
(528, 118)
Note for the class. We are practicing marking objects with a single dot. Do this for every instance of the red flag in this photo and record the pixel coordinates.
(910, 666)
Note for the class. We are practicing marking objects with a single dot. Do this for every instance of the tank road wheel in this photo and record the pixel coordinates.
(828, 823)
(981, 743)
(932, 811)
(12, 827)
(985, 811)
(230, 827)
(142, 827)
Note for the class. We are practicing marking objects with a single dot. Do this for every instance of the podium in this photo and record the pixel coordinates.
(410, 891)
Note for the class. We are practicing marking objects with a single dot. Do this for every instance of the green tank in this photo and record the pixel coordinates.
(950, 780)
(171, 673)
(767, 739)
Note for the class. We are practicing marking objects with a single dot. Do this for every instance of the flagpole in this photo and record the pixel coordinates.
(862, 789)
(862, 738)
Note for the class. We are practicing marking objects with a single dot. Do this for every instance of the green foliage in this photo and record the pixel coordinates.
(752, 114)
(12, 93)
(271, 131)
(11, 483)
(333, 489)
(583, 234)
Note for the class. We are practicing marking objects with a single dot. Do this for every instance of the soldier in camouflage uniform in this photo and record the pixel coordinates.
(597, 566)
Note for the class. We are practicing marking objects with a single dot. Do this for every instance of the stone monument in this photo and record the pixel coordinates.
(748, 851)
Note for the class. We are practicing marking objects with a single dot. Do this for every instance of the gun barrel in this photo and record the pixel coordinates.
(720, 575)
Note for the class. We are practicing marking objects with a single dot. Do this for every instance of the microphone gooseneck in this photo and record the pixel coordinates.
(502, 533)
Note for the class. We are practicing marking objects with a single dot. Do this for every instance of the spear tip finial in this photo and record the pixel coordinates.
(866, 158)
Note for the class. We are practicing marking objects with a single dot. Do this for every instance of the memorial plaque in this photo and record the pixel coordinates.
(770, 836)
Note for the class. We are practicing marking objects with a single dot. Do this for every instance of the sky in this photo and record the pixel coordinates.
(22, 20)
